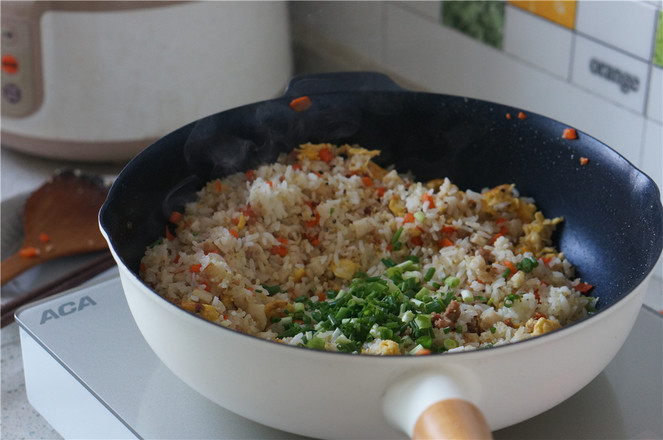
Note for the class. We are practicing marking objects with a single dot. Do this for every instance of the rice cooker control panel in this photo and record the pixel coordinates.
(21, 76)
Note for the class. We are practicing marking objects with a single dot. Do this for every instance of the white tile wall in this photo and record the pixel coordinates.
(603, 70)
(357, 25)
(625, 25)
(407, 40)
(655, 97)
(547, 45)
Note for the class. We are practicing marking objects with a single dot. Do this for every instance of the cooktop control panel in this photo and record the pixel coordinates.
(21, 75)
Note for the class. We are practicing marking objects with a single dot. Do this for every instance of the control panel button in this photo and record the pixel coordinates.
(9, 64)
(12, 93)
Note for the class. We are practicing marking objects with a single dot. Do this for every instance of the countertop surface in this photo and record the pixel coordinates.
(21, 174)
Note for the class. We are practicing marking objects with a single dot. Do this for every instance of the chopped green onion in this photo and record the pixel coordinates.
(527, 264)
(493, 329)
(452, 281)
(466, 295)
(397, 235)
(388, 262)
(272, 290)
(423, 294)
(425, 341)
(407, 316)
(508, 301)
(450, 343)
(316, 343)
(429, 274)
(506, 273)
(386, 333)
(419, 216)
(423, 321)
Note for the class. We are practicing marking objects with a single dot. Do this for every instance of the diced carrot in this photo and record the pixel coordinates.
(175, 217)
(583, 287)
(141, 267)
(169, 235)
(428, 198)
(234, 233)
(416, 240)
(380, 190)
(270, 183)
(445, 242)
(279, 250)
(250, 175)
(28, 252)
(367, 181)
(538, 298)
(315, 221)
(313, 239)
(584, 161)
(510, 266)
(44, 238)
(300, 104)
(446, 229)
(282, 240)
(297, 167)
(423, 351)
(503, 232)
(325, 155)
(248, 212)
(322, 296)
(522, 115)
(217, 186)
(408, 218)
(206, 287)
(508, 115)
(195, 268)
(546, 260)
(176, 259)
(569, 133)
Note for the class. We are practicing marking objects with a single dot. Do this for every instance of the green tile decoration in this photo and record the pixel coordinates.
(658, 48)
(483, 20)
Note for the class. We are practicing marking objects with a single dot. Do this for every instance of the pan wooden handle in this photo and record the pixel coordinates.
(451, 419)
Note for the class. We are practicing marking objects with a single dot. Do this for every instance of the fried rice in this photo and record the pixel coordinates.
(327, 250)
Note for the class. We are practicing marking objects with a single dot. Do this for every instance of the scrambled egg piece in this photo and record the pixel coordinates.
(503, 198)
(360, 158)
(345, 268)
(541, 326)
(397, 207)
(386, 347)
(277, 308)
(538, 233)
(205, 311)
(312, 151)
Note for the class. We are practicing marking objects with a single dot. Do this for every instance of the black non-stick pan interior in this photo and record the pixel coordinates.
(612, 230)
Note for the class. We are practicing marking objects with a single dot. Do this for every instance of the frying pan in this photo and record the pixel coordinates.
(612, 233)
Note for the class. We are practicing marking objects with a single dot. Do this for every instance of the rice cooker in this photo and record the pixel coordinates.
(101, 80)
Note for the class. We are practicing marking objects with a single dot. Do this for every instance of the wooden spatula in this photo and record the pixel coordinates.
(59, 219)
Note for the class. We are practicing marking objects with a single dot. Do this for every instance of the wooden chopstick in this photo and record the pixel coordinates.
(67, 281)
